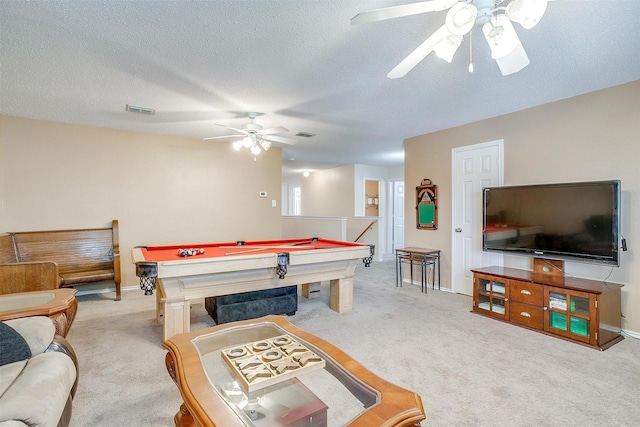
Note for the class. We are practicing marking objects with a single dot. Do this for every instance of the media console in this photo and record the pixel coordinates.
(580, 310)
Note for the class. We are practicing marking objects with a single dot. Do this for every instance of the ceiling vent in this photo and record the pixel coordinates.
(305, 134)
(140, 110)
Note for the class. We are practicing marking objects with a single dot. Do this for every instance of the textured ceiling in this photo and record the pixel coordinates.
(299, 62)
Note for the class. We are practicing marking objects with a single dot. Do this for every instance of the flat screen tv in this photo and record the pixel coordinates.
(573, 221)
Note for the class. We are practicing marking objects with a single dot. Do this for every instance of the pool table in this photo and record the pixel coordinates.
(233, 267)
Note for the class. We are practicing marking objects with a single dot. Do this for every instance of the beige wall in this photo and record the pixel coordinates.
(329, 192)
(162, 189)
(590, 137)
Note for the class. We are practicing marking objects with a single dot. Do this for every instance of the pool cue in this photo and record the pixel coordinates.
(262, 248)
(269, 246)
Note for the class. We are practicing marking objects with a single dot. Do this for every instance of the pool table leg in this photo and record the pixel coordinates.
(159, 304)
(341, 295)
(176, 318)
(311, 290)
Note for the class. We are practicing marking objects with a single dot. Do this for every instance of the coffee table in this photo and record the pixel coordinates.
(60, 305)
(343, 392)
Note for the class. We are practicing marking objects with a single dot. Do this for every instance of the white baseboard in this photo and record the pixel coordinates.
(631, 334)
(417, 283)
(105, 290)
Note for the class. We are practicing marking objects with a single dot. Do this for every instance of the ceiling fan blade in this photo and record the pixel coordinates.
(224, 137)
(383, 13)
(280, 139)
(418, 54)
(278, 129)
(242, 131)
(513, 62)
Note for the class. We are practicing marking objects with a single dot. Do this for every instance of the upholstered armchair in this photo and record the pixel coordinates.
(38, 374)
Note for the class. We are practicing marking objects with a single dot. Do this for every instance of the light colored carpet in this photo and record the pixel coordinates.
(468, 369)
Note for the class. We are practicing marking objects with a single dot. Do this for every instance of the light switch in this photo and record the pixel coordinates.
(273, 204)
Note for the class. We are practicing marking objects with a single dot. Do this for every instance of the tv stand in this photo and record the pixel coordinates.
(584, 311)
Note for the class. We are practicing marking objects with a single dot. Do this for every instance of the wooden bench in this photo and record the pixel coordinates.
(82, 256)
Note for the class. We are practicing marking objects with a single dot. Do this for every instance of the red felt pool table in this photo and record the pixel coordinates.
(235, 267)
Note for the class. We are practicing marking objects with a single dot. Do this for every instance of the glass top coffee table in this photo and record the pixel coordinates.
(60, 305)
(328, 388)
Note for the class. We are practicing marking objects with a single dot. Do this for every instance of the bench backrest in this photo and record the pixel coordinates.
(28, 276)
(72, 250)
(7, 250)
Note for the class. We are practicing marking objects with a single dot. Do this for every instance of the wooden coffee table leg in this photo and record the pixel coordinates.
(183, 418)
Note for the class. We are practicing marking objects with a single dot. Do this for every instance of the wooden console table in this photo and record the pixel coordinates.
(580, 310)
(60, 305)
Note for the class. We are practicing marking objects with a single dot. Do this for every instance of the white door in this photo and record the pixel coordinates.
(295, 201)
(474, 168)
(398, 214)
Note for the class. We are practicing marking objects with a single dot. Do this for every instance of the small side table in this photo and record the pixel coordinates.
(60, 305)
(424, 257)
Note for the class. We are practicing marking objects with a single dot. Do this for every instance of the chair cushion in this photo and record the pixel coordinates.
(13, 423)
(37, 331)
(8, 374)
(38, 396)
(13, 348)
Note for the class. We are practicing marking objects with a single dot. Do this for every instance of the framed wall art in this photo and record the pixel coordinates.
(427, 206)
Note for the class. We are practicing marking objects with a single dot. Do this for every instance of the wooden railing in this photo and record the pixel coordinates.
(367, 228)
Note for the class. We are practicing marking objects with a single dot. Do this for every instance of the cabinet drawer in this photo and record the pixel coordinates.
(526, 315)
(528, 293)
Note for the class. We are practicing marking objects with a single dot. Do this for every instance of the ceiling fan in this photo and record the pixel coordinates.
(254, 136)
(494, 16)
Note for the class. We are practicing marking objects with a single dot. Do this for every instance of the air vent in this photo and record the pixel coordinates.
(305, 134)
(140, 110)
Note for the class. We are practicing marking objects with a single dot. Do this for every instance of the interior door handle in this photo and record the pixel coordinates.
(458, 230)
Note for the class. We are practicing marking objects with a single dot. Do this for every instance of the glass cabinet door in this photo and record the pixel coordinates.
(568, 313)
(491, 296)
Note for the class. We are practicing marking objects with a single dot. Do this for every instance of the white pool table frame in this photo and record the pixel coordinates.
(181, 282)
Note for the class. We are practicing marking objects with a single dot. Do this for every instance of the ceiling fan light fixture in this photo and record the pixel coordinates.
(447, 47)
(237, 145)
(247, 142)
(265, 144)
(255, 150)
(501, 36)
(461, 18)
(526, 12)
(513, 62)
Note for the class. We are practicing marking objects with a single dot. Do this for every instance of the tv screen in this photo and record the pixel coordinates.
(572, 221)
